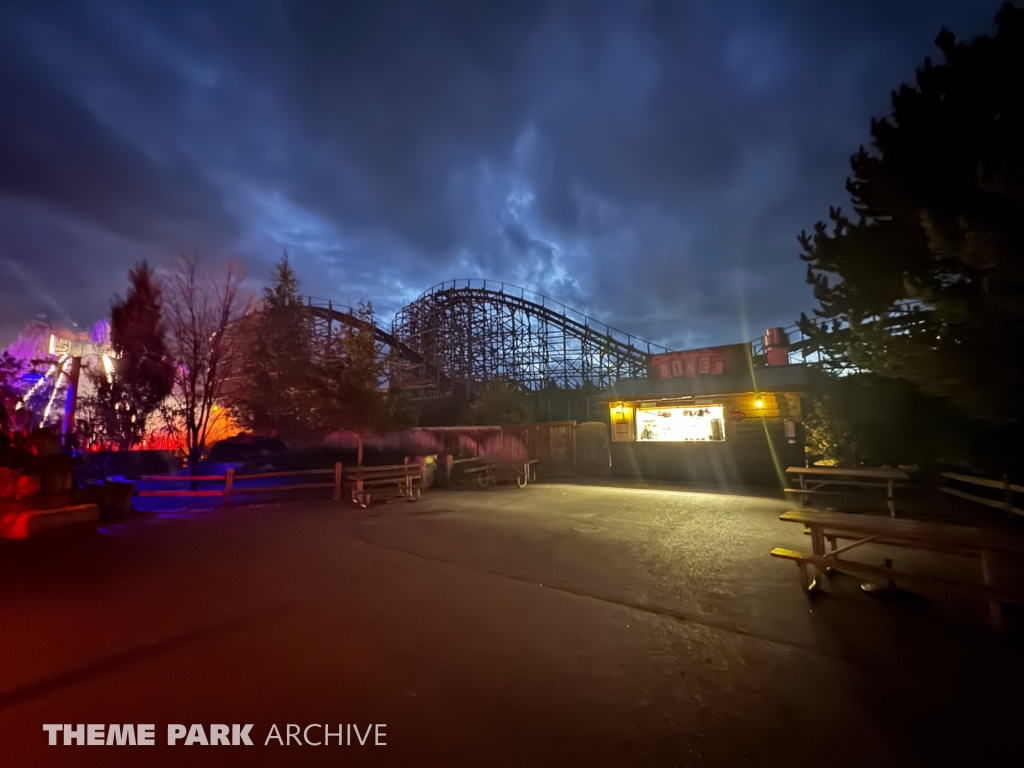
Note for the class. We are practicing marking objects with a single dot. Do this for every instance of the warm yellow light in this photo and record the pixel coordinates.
(759, 402)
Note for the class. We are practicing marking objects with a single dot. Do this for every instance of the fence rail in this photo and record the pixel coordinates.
(230, 478)
(1004, 485)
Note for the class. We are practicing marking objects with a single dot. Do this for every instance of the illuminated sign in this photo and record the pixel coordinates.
(622, 422)
(70, 344)
(713, 361)
(691, 423)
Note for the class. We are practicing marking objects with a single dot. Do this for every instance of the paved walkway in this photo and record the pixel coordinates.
(559, 625)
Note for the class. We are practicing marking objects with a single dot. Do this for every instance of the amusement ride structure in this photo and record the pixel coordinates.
(54, 359)
(461, 334)
(403, 364)
(453, 339)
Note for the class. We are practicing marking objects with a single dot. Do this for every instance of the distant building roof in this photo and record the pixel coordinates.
(779, 378)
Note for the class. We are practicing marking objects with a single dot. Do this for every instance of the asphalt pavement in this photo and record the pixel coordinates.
(562, 624)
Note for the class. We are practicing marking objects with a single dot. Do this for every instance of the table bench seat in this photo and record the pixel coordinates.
(814, 480)
(853, 483)
(486, 469)
(828, 528)
(369, 484)
(889, 574)
(21, 523)
(479, 469)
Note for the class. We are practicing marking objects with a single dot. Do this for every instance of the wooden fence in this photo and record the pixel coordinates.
(1004, 485)
(551, 444)
(230, 478)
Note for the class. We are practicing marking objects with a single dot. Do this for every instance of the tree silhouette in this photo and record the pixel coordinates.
(350, 372)
(926, 284)
(502, 402)
(143, 373)
(202, 310)
(275, 390)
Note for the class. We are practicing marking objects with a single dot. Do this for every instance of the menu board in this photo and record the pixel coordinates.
(622, 423)
(691, 423)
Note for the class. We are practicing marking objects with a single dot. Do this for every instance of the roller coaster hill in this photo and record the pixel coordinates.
(450, 342)
(459, 335)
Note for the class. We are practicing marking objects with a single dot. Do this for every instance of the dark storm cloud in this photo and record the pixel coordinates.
(650, 163)
(54, 149)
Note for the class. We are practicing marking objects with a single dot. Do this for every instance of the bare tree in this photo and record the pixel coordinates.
(200, 309)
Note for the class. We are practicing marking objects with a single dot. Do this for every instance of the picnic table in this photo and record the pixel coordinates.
(816, 480)
(369, 484)
(827, 529)
(486, 470)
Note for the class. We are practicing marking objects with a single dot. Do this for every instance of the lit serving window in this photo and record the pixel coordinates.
(692, 423)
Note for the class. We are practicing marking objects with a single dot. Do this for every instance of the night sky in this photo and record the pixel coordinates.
(648, 163)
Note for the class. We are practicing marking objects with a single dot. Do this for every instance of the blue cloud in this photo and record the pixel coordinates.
(647, 163)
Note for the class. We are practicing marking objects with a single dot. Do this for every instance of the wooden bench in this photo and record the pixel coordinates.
(20, 523)
(827, 529)
(483, 469)
(369, 484)
(526, 475)
(487, 470)
(813, 481)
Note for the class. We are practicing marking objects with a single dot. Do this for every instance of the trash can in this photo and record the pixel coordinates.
(429, 468)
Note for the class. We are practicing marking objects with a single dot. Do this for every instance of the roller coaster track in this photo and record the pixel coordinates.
(402, 361)
(460, 334)
(479, 330)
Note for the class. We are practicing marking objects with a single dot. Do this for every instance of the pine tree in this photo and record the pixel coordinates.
(927, 284)
(278, 377)
(502, 402)
(349, 378)
(143, 373)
